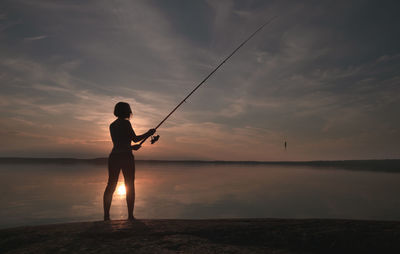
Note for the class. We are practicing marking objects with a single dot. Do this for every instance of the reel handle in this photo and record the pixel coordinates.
(154, 139)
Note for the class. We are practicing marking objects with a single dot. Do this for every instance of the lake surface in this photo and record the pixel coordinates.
(42, 193)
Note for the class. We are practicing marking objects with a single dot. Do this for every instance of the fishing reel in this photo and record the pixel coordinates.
(154, 139)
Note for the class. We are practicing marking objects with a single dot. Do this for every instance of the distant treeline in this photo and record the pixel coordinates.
(390, 165)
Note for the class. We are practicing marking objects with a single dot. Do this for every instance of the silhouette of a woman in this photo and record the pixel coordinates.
(121, 157)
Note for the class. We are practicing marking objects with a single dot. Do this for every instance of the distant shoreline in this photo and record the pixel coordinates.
(104, 159)
(207, 236)
(384, 165)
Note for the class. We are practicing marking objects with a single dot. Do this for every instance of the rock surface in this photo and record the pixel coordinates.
(206, 236)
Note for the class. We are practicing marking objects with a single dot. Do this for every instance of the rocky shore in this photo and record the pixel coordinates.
(206, 236)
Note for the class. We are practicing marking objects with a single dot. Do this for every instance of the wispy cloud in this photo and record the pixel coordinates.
(35, 38)
(326, 86)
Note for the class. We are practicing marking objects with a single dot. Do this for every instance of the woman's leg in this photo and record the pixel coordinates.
(129, 175)
(113, 173)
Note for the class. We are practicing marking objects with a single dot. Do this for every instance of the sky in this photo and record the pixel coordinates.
(324, 76)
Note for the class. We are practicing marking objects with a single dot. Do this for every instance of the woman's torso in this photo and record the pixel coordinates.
(121, 134)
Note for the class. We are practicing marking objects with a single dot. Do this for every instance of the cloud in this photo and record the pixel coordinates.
(35, 38)
(321, 82)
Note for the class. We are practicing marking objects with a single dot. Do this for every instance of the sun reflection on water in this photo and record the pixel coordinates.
(196, 191)
(121, 191)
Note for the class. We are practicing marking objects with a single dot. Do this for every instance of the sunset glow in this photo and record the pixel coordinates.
(304, 79)
(237, 126)
(121, 190)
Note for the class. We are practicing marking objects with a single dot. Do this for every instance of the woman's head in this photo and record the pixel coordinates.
(122, 110)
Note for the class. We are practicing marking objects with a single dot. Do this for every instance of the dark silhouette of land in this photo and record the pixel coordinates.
(389, 165)
(206, 236)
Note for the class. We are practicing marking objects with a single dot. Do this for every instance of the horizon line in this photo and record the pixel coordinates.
(195, 160)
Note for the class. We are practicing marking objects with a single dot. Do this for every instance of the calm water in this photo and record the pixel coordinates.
(52, 193)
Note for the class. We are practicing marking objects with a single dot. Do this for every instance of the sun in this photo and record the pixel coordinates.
(121, 190)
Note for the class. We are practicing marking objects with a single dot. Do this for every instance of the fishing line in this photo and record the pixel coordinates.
(155, 138)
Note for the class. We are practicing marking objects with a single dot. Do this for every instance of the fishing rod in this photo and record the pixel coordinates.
(155, 138)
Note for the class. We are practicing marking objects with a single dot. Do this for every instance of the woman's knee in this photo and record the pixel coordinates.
(111, 186)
